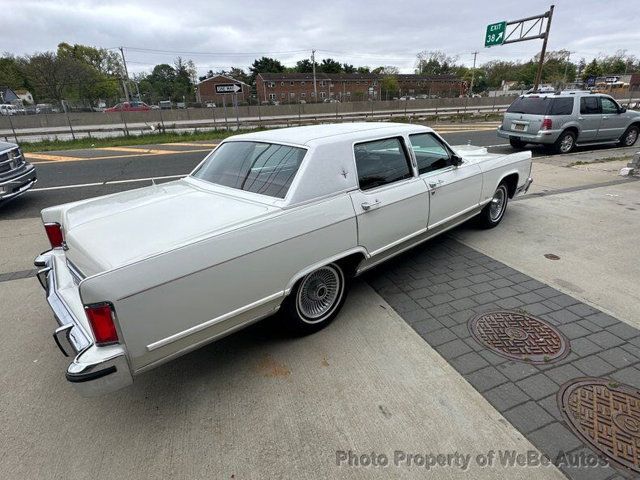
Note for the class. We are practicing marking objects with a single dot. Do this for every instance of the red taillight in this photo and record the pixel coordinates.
(547, 124)
(101, 319)
(54, 233)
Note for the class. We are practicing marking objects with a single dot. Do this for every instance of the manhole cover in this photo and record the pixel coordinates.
(606, 415)
(519, 336)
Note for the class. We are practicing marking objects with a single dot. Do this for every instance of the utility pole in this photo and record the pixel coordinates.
(125, 81)
(313, 64)
(549, 15)
(566, 66)
(473, 72)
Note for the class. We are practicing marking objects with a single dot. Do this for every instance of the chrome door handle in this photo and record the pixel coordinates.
(434, 184)
(366, 206)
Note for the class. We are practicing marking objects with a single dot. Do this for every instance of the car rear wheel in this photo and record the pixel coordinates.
(316, 299)
(516, 143)
(491, 215)
(630, 137)
(566, 142)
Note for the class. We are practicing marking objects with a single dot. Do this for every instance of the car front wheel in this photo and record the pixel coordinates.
(492, 213)
(316, 299)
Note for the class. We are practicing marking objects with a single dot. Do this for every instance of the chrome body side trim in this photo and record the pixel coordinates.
(213, 321)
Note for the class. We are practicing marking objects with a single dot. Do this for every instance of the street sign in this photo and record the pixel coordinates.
(228, 88)
(495, 34)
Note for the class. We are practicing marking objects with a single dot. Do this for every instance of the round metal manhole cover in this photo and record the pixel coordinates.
(606, 415)
(519, 336)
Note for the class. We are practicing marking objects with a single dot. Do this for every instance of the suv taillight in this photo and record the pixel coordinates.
(547, 124)
(54, 233)
(102, 320)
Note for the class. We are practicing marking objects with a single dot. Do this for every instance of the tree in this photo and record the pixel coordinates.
(346, 68)
(363, 70)
(304, 66)
(435, 62)
(11, 73)
(389, 85)
(329, 65)
(265, 65)
(593, 69)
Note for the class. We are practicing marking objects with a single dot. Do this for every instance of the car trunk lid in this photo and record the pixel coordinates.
(115, 230)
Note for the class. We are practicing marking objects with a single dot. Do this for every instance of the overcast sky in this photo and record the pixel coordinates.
(219, 34)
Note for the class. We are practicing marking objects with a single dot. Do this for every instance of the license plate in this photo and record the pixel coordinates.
(521, 127)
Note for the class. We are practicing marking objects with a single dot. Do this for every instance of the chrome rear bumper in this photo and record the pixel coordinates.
(524, 188)
(94, 370)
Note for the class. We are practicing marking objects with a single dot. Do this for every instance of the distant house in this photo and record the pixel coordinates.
(7, 95)
(25, 96)
(206, 90)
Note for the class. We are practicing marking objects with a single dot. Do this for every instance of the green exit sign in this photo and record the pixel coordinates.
(495, 34)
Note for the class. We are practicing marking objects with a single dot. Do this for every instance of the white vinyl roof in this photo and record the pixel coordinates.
(331, 132)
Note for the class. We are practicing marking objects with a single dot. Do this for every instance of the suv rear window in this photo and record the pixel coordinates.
(542, 106)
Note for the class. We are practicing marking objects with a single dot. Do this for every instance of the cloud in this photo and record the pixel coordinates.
(362, 32)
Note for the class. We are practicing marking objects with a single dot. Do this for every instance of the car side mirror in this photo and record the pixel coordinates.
(622, 109)
(456, 160)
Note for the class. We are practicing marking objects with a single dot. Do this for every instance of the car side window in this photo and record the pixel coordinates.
(608, 105)
(381, 162)
(589, 106)
(431, 154)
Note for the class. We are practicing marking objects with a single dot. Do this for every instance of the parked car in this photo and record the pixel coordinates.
(279, 219)
(406, 97)
(129, 107)
(165, 104)
(568, 119)
(8, 109)
(211, 105)
(16, 174)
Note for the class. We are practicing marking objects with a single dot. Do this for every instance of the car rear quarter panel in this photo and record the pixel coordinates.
(171, 303)
(494, 170)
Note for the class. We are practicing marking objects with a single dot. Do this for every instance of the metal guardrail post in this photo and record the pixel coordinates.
(126, 128)
(73, 135)
(13, 129)
(161, 119)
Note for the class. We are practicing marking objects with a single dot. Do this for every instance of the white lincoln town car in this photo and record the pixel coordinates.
(279, 219)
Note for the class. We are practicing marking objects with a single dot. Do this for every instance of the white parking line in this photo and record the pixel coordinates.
(98, 184)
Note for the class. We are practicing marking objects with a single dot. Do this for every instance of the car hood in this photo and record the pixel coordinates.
(6, 146)
(112, 231)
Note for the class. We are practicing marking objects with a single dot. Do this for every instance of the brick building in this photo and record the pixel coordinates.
(440, 85)
(296, 87)
(206, 90)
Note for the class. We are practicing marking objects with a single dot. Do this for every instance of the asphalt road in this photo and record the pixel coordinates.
(68, 181)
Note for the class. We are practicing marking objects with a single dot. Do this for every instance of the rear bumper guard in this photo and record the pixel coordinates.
(94, 370)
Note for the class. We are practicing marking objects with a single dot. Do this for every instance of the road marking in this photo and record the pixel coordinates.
(109, 182)
(111, 157)
(187, 144)
(137, 150)
(52, 158)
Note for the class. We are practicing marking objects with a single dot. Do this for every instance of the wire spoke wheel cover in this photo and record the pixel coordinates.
(498, 203)
(605, 415)
(519, 336)
(319, 294)
(631, 137)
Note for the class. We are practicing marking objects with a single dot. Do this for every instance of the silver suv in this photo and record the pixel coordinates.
(564, 120)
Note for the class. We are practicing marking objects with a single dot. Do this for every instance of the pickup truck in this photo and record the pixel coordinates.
(16, 174)
(271, 220)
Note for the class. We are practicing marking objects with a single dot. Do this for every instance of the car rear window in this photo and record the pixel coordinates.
(258, 167)
(542, 106)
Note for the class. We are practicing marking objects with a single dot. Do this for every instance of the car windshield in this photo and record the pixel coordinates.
(530, 105)
(258, 167)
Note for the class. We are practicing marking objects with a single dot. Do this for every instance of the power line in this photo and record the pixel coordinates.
(229, 54)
